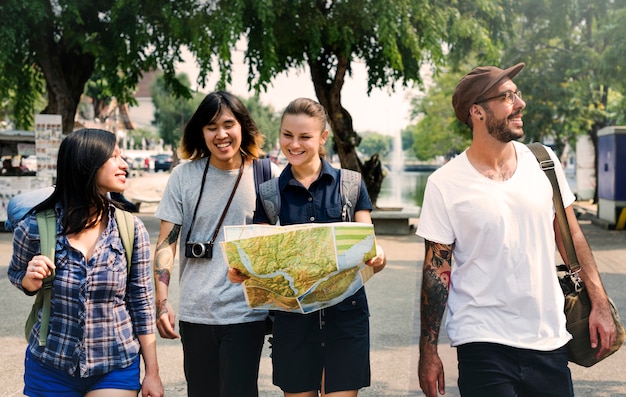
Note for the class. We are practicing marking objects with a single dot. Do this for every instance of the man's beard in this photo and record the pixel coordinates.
(499, 128)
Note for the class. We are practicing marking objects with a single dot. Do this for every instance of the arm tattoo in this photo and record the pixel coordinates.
(170, 239)
(164, 258)
(435, 288)
(161, 308)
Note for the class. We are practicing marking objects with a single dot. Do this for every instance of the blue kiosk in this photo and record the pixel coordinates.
(612, 176)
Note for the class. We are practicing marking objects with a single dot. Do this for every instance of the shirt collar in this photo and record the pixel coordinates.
(328, 171)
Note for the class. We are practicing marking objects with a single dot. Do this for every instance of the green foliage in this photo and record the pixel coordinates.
(573, 81)
(438, 132)
(574, 53)
(54, 47)
(374, 142)
(266, 119)
(407, 139)
(138, 136)
(172, 112)
(394, 39)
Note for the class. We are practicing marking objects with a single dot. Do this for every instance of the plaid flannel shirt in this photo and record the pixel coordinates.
(96, 311)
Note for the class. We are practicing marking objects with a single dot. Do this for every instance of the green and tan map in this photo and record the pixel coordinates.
(300, 268)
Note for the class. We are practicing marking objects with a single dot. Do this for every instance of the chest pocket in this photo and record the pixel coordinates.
(332, 213)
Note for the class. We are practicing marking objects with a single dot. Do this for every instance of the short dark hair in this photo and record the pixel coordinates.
(192, 145)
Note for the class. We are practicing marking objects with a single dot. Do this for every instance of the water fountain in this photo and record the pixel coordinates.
(395, 216)
(397, 167)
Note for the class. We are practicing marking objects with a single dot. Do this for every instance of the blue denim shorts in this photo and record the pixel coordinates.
(41, 380)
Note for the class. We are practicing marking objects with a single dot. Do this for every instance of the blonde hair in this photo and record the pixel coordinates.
(311, 108)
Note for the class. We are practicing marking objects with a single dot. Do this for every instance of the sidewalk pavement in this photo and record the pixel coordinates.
(393, 297)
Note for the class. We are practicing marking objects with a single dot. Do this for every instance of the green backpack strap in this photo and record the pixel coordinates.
(126, 227)
(46, 222)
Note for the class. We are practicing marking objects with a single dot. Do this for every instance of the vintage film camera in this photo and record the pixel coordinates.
(199, 250)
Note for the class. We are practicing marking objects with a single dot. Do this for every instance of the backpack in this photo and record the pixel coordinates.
(262, 172)
(46, 221)
(349, 189)
(20, 204)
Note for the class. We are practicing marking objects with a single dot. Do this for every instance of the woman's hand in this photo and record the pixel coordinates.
(235, 276)
(38, 268)
(379, 261)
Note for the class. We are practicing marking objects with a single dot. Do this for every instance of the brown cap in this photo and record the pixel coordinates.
(475, 84)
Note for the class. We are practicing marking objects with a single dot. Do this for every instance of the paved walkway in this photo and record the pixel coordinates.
(394, 304)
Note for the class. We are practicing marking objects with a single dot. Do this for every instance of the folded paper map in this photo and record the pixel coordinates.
(300, 268)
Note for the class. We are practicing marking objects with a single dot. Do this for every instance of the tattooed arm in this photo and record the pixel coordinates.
(434, 297)
(163, 266)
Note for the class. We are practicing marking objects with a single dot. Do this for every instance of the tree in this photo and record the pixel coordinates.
(438, 132)
(56, 46)
(98, 90)
(374, 142)
(266, 119)
(171, 113)
(394, 38)
(407, 139)
(574, 60)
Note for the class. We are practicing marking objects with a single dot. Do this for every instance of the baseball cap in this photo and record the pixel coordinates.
(475, 84)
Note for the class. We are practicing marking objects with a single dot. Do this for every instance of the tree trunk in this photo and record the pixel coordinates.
(345, 139)
(125, 117)
(66, 71)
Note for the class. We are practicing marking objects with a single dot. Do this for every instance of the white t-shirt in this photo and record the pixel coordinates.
(504, 287)
(206, 294)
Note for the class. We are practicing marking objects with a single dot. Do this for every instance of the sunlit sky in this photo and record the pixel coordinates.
(382, 111)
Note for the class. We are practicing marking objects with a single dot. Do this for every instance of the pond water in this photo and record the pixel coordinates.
(406, 189)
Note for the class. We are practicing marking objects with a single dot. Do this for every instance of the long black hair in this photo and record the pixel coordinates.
(194, 147)
(81, 154)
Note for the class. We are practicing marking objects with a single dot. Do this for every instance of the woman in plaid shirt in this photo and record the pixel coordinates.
(101, 317)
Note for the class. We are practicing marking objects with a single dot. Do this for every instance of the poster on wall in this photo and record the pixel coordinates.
(48, 136)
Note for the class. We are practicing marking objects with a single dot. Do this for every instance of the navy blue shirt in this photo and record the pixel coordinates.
(321, 203)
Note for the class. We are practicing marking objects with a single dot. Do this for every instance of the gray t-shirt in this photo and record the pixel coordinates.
(206, 294)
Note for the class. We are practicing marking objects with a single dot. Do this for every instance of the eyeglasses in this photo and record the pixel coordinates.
(509, 97)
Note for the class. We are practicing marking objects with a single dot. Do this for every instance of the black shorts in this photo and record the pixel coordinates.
(222, 360)
(336, 340)
(490, 369)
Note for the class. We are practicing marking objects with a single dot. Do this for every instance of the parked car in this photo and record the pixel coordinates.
(162, 162)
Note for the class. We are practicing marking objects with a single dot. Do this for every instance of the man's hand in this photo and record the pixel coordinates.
(166, 320)
(235, 276)
(431, 375)
(602, 330)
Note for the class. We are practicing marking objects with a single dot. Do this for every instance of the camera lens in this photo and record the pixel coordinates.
(198, 250)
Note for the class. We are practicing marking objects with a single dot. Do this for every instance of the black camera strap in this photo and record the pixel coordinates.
(230, 199)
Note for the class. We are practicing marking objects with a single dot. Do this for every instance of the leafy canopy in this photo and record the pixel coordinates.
(56, 46)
